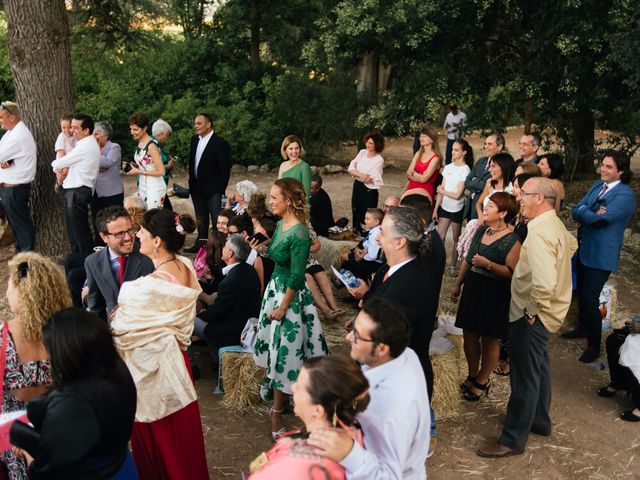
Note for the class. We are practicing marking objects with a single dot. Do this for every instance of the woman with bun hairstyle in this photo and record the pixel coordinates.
(329, 392)
(152, 329)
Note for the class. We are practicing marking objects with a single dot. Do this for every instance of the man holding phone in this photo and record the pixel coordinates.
(17, 171)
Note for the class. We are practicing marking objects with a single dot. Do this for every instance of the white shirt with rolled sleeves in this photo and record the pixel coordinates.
(18, 145)
(396, 424)
(83, 163)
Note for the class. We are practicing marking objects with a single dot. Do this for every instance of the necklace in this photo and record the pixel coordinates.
(166, 261)
(490, 231)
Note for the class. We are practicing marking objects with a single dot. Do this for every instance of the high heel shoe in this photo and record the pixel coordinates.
(466, 385)
(470, 396)
(276, 435)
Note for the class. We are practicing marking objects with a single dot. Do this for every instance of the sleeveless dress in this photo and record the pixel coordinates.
(151, 189)
(152, 328)
(485, 298)
(17, 375)
(430, 184)
(281, 347)
(302, 173)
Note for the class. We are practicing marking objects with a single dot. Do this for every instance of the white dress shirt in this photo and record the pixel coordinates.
(227, 268)
(18, 145)
(202, 144)
(397, 267)
(83, 163)
(372, 245)
(396, 424)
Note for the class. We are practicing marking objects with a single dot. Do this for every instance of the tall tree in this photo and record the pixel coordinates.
(39, 52)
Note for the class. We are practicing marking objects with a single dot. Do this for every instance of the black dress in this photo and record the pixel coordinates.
(484, 303)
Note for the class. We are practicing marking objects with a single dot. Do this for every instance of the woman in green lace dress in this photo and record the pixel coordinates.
(289, 331)
(293, 166)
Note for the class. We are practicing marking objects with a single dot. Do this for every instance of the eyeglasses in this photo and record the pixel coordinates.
(120, 235)
(357, 337)
(522, 192)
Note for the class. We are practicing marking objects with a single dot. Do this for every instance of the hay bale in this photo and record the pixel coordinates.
(330, 251)
(6, 233)
(241, 380)
(448, 371)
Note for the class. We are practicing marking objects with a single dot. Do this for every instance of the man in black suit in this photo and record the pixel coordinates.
(409, 278)
(238, 299)
(321, 212)
(479, 174)
(115, 264)
(209, 171)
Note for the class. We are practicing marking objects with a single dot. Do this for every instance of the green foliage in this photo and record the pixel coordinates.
(6, 82)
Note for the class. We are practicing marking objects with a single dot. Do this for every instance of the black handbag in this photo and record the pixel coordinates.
(180, 192)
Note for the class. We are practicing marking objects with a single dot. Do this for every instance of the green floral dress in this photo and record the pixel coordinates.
(281, 347)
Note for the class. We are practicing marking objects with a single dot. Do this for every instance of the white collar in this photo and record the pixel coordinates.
(207, 136)
(397, 267)
(228, 268)
(612, 184)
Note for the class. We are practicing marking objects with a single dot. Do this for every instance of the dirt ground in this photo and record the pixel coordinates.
(588, 441)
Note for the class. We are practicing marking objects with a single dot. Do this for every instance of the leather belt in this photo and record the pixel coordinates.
(13, 185)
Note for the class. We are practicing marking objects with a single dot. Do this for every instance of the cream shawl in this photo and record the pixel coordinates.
(153, 323)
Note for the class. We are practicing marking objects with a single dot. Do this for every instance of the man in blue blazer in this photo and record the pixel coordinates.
(603, 215)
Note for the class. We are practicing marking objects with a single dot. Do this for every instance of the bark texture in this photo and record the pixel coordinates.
(40, 58)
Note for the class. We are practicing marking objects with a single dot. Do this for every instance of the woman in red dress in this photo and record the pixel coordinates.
(425, 166)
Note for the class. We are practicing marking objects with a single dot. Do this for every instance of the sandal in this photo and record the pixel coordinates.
(276, 435)
(629, 416)
(470, 396)
(466, 385)
(500, 371)
(606, 393)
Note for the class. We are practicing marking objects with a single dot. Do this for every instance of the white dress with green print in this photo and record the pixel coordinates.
(281, 347)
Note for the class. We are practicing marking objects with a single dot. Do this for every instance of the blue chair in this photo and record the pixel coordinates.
(221, 351)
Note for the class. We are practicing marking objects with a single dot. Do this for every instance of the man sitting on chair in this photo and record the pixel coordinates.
(238, 299)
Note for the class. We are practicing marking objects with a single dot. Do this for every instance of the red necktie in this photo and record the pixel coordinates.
(123, 262)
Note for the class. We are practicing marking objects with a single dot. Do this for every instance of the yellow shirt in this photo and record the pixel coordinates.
(541, 282)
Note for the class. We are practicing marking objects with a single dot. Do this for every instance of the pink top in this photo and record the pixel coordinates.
(430, 185)
(371, 166)
(295, 458)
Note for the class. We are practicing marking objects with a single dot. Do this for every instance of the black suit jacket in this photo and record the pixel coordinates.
(238, 300)
(103, 284)
(321, 213)
(214, 168)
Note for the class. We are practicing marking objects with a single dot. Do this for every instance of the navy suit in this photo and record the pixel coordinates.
(475, 182)
(600, 237)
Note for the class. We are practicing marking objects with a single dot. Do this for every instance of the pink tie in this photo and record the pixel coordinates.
(603, 190)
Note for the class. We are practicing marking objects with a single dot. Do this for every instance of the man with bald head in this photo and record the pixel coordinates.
(540, 298)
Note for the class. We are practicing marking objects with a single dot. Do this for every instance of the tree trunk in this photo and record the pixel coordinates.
(39, 53)
(583, 133)
(384, 73)
(367, 83)
(254, 19)
(528, 117)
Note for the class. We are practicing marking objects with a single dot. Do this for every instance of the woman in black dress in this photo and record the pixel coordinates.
(483, 312)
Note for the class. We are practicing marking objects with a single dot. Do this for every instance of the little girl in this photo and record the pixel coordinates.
(65, 141)
(449, 208)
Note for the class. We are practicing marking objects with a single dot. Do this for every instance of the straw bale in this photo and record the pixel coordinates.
(241, 380)
(448, 371)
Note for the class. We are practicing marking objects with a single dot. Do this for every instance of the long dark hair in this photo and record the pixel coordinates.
(468, 151)
(80, 345)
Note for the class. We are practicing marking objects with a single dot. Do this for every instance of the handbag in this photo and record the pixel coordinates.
(180, 191)
(248, 335)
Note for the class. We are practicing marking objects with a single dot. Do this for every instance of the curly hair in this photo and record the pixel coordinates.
(294, 192)
(42, 291)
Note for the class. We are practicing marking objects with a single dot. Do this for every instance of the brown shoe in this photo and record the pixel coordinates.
(497, 450)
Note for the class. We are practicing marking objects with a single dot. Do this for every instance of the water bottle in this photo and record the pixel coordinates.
(223, 201)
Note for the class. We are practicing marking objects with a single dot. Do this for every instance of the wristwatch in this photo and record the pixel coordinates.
(529, 317)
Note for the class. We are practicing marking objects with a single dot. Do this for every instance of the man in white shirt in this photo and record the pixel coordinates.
(83, 163)
(17, 171)
(453, 123)
(396, 423)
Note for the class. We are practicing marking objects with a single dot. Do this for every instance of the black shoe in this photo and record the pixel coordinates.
(606, 393)
(629, 416)
(192, 249)
(539, 431)
(575, 333)
(588, 356)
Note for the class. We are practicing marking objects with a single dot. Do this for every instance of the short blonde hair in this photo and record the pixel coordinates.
(288, 140)
(42, 291)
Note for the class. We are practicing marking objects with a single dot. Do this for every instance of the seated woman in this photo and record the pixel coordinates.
(81, 428)
(329, 391)
(552, 167)
(242, 195)
(152, 330)
(318, 281)
(622, 377)
(36, 289)
(209, 267)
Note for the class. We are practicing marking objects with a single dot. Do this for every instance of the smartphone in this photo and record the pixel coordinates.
(257, 236)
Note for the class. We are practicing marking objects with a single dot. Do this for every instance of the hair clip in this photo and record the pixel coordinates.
(179, 227)
(23, 268)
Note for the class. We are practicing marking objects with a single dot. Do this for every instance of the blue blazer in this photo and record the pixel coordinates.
(602, 235)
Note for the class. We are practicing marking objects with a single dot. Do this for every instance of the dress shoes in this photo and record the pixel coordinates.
(629, 416)
(497, 450)
(541, 432)
(575, 333)
(588, 356)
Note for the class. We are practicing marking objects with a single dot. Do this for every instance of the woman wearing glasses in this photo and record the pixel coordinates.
(36, 289)
(147, 163)
(483, 313)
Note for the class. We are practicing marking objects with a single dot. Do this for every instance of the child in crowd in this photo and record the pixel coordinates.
(65, 141)
(364, 260)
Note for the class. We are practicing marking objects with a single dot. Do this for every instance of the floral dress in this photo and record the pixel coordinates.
(150, 188)
(281, 347)
(17, 375)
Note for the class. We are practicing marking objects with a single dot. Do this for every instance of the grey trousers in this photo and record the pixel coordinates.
(530, 377)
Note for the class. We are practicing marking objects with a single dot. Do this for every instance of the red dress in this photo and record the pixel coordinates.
(171, 448)
(430, 185)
